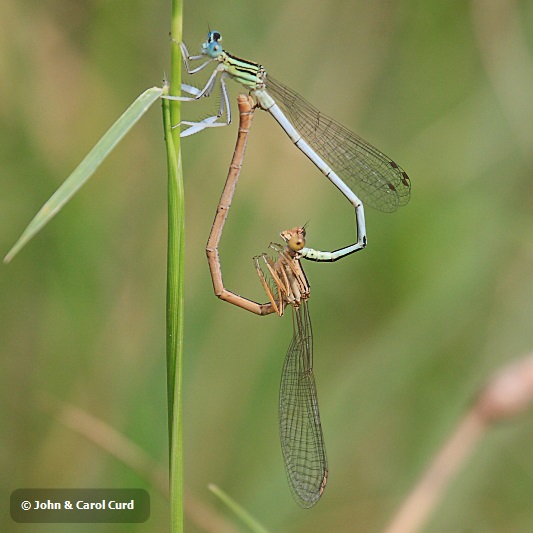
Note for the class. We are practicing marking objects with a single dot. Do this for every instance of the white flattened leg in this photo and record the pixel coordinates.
(212, 121)
(186, 56)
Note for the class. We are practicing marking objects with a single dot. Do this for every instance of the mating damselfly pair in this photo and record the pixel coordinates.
(359, 171)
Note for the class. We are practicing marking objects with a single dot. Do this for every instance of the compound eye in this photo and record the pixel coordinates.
(296, 243)
(214, 37)
(214, 50)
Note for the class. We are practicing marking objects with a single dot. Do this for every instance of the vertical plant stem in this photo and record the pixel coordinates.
(175, 274)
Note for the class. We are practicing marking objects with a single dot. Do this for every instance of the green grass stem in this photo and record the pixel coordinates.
(175, 274)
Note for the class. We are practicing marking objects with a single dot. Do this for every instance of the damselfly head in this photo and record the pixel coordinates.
(295, 238)
(212, 47)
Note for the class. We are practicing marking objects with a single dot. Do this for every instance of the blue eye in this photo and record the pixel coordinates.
(213, 36)
(213, 49)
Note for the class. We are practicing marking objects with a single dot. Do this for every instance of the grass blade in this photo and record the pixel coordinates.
(87, 167)
(244, 515)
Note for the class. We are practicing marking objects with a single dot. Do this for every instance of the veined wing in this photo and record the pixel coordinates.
(375, 178)
(302, 442)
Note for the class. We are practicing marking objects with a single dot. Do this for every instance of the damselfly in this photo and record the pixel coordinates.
(300, 430)
(360, 171)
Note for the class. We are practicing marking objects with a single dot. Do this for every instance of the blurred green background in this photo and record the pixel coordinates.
(406, 332)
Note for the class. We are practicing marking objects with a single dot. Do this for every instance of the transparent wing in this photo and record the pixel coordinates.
(371, 175)
(301, 436)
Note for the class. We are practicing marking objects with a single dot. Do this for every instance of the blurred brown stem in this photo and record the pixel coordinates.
(509, 393)
(133, 456)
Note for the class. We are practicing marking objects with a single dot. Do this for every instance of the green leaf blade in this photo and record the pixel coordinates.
(87, 167)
